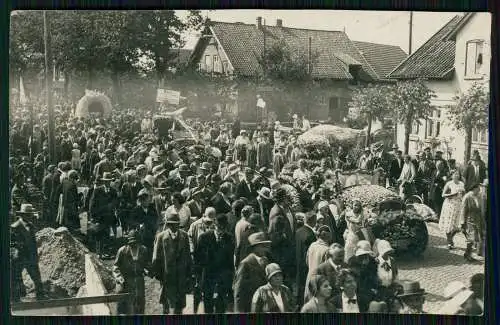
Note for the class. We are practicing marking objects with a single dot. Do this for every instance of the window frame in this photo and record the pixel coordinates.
(479, 134)
(476, 73)
(208, 62)
(216, 63)
(435, 123)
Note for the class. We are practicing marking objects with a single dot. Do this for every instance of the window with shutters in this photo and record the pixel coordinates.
(433, 125)
(480, 136)
(474, 58)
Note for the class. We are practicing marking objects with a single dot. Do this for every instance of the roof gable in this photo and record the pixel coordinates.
(244, 45)
(381, 57)
(435, 59)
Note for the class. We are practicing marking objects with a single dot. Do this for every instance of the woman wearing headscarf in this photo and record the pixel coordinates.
(273, 297)
(317, 254)
(320, 301)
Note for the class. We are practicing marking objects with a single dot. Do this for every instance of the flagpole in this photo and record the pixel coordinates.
(48, 88)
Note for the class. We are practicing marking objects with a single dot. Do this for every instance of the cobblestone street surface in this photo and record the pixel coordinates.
(434, 269)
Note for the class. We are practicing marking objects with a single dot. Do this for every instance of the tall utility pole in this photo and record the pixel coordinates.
(48, 87)
(410, 41)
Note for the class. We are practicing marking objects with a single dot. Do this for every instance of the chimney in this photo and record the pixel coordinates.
(279, 23)
(259, 22)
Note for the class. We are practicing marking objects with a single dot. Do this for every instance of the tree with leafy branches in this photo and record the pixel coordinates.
(285, 69)
(371, 104)
(470, 112)
(411, 101)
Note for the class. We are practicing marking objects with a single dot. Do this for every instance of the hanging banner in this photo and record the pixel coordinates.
(168, 96)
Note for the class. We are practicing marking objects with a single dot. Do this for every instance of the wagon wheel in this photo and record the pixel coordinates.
(414, 199)
(419, 238)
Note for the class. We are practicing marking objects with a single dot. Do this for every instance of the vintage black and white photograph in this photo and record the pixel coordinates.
(248, 161)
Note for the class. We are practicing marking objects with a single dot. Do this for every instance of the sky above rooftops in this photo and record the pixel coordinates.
(385, 27)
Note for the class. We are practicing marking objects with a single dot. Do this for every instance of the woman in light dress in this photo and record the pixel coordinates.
(76, 162)
(450, 220)
(355, 220)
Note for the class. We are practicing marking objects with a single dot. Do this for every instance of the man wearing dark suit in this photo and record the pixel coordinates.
(70, 202)
(213, 255)
(196, 205)
(144, 218)
(245, 188)
(221, 201)
(396, 167)
(251, 273)
(55, 191)
(304, 237)
(47, 182)
(282, 208)
(331, 267)
(475, 173)
(102, 210)
(243, 249)
(349, 299)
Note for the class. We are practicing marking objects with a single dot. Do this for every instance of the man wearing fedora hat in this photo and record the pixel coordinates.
(251, 273)
(131, 263)
(213, 255)
(264, 204)
(172, 265)
(475, 172)
(411, 297)
(102, 211)
(24, 254)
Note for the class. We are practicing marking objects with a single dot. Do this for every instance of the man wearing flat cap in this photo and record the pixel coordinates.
(251, 273)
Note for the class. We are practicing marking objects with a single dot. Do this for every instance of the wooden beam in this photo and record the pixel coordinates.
(67, 302)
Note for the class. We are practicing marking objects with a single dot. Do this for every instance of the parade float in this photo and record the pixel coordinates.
(392, 218)
(93, 103)
(171, 125)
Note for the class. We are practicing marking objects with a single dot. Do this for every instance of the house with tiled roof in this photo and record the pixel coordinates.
(451, 60)
(235, 50)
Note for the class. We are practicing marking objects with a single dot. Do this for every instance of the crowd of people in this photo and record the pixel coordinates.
(214, 219)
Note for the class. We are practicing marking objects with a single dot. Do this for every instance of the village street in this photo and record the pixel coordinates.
(433, 270)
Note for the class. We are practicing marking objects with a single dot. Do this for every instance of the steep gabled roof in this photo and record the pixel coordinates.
(244, 45)
(381, 57)
(435, 59)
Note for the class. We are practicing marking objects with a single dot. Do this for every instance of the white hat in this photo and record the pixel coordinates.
(295, 116)
(322, 204)
(382, 247)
